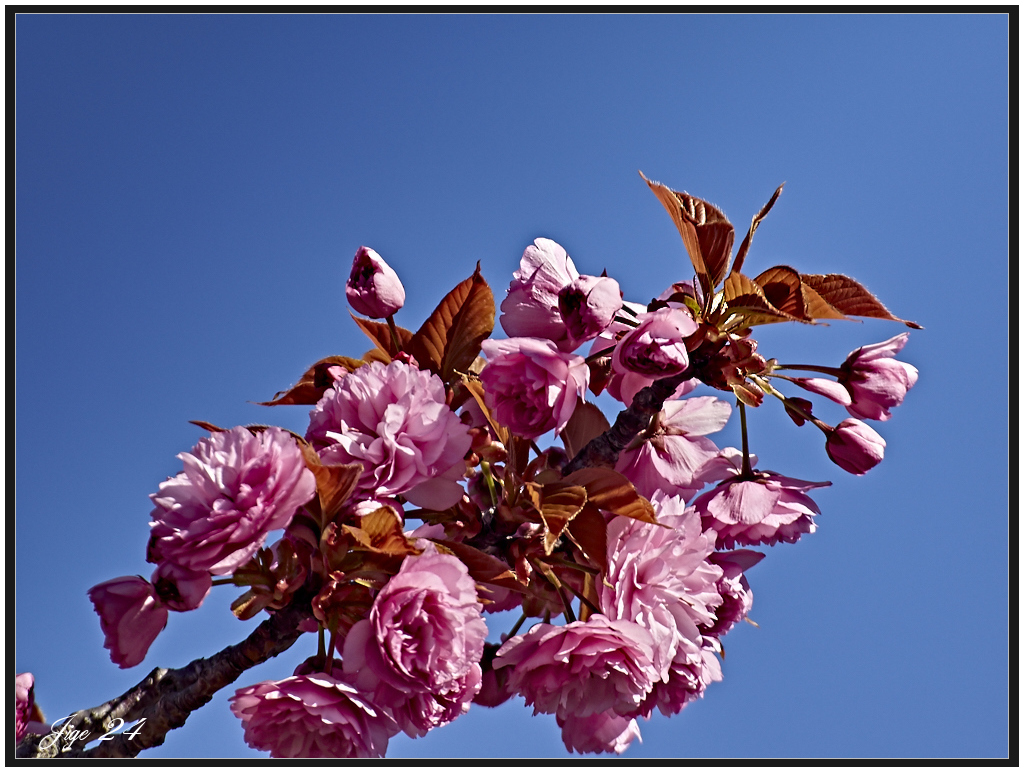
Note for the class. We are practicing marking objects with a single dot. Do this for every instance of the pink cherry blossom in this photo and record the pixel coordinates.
(765, 509)
(392, 419)
(588, 305)
(419, 652)
(181, 589)
(674, 455)
(373, 288)
(28, 719)
(236, 488)
(315, 716)
(531, 386)
(737, 597)
(598, 733)
(655, 348)
(659, 577)
(131, 617)
(530, 310)
(581, 668)
(876, 381)
(855, 446)
(694, 668)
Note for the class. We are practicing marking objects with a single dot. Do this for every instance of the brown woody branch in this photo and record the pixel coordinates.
(166, 698)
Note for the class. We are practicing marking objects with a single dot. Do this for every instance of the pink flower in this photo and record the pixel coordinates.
(694, 668)
(236, 487)
(766, 509)
(28, 719)
(373, 288)
(419, 652)
(737, 597)
(598, 733)
(581, 668)
(659, 577)
(855, 446)
(655, 348)
(181, 589)
(312, 717)
(394, 421)
(131, 617)
(875, 380)
(530, 310)
(588, 305)
(674, 455)
(531, 386)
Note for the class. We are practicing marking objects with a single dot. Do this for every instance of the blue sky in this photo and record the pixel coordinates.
(190, 192)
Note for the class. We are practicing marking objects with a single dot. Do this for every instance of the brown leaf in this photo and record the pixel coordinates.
(745, 246)
(707, 233)
(334, 486)
(560, 503)
(476, 389)
(313, 383)
(381, 531)
(850, 297)
(449, 340)
(586, 423)
(815, 305)
(484, 568)
(612, 492)
(784, 290)
(589, 532)
(207, 426)
(746, 299)
(380, 334)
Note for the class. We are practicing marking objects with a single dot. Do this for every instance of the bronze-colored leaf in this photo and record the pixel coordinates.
(484, 568)
(449, 340)
(706, 231)
(381, 531)
(313, 383)
(586, 423)
(334, 485)
(207, 426)
(745, 245)
(784, 290)
(560, 503)
(248, 605)
(476, 389)
(380, 334)
(815, 305)
(850, 297)
(746, 299)
(612, 492)
(589, 532)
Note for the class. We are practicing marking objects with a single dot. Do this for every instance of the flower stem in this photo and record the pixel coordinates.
(835, 372)
(598, 354)
(790, 404)
(517, 625)
(394, 333)
(321, 646)
(220, 582)
(485, 468)
(747, 471)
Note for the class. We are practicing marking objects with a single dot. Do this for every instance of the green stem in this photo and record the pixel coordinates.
(835, 372)
(485, 469)
(517, 625)
(394, 333)
(790, 404)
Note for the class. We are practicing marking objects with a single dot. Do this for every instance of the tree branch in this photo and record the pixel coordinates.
(166, 698)
(604, 450)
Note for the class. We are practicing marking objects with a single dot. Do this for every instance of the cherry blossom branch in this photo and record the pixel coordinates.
(166, 698)
(604, 450)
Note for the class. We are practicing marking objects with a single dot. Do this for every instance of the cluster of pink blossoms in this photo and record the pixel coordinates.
(631, 567)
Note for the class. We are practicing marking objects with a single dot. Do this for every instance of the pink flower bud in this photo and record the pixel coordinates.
(588, 305)
(373, 288)
(530, 310)
(131, 617)
(875, 380)
(179, 588)
(655, 349)
(855, 446)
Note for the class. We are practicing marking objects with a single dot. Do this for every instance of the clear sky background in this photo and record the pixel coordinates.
(191, 190)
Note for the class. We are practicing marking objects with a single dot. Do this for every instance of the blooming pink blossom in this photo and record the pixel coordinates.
(131, 617)
(855, 446)
(394, 421)
(581, 668)
(419, 652)
(588, 305)
(312, 716)
(373, 288)
(28, 719)
(659, 577)
(181, 589)
(598, 733)
(531, 386)
(694, 668)
(765, 509)
(875, 380)
(530, 310)
(737, 597)
(236, 487)
(674, 455)
(655, 348)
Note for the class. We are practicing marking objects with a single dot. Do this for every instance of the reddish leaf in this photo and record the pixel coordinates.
(850, 297)
(449, 341)
(612, 492)
(334, 486)
(783, 289)
(313, 383)
(207, 426)
(381, 531)
(560, 503)
(589, 532)
(707, 233)
(586, 423)
(815, 305)
(380, 334)
(745, 246)
(476, 389)
(484, 568)
(746, 299)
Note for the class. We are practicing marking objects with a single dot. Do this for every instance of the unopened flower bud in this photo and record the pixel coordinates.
(655, 348)
(373, 288)
(855, 446)
(588, 305)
